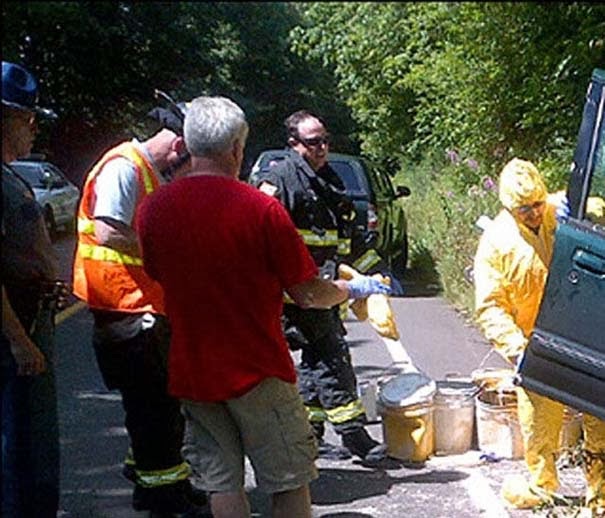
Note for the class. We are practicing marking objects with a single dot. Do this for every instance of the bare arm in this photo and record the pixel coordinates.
(28, 357)
(319, 293)
(117, 235)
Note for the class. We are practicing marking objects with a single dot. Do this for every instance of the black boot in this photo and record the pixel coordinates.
(359, 443)
(128, 471)
(166, 499)
(325, 450)
(195, 495)
(328, 451)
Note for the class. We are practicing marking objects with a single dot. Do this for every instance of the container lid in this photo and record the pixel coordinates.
(456, 388)
(495, 379)
(407, 389)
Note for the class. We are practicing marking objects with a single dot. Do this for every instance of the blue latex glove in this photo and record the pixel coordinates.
(396, 287)
(364, 286)
(562, 212)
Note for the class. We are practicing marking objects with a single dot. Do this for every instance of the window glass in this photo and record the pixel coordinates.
(598, 180)
(31, 173)
(351, 177)
(595, 208)
(54, 178)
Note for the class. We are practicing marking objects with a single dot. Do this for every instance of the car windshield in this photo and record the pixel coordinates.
(31, 173)
(351, 177)
(355, 182)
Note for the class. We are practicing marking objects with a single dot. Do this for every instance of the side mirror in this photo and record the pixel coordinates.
(403, 191)
(47, 180)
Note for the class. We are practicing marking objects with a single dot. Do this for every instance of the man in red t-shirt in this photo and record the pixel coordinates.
(224, 253)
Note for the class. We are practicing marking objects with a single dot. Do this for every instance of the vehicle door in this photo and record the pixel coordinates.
(61, 197)
(565, 359)
(356, 187)
(388, 213)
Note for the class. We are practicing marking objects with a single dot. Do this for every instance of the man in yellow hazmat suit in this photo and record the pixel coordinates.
(511, 266)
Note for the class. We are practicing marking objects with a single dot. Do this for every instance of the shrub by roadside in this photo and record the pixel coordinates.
(448, 196)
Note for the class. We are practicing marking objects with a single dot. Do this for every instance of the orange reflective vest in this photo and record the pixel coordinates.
(103, 277)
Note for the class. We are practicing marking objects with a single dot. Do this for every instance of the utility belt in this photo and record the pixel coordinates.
(50, 292)
(35, 300)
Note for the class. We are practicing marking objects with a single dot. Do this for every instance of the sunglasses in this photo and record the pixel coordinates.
(314, 141)
(526, 209)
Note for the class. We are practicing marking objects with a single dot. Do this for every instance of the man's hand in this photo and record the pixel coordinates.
(29, 359)
(364, 286)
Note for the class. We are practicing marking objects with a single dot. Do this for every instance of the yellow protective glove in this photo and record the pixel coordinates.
(358, 306)
(376, 307)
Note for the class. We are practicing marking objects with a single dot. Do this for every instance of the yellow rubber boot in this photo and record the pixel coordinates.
(594, 463)
(518, 494)
(541, 420)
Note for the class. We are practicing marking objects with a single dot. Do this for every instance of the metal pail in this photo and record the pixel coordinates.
(454, 416)
(405, 404)
(498, 430)
(409, 431)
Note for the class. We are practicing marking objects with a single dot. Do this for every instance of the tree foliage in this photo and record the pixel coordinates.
(99, 63)
(490, 80)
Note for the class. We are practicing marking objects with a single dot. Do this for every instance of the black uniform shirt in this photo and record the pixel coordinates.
(316, 201)
(27, 253)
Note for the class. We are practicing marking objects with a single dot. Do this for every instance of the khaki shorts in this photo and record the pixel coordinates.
(268, 424)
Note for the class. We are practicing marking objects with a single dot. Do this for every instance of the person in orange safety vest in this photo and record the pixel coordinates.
(131, 334)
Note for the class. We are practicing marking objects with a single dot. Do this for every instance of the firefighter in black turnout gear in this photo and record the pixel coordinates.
(314, 196)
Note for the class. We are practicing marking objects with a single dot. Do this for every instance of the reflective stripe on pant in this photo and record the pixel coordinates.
(161, 477)
(137, 368)
(326, 378)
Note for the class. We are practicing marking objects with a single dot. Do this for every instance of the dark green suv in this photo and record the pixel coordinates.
(379, 214)
(565, 359)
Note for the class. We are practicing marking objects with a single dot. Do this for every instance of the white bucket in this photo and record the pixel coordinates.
(405, 404)
(454, 416)
(498, 430)
(368, 393)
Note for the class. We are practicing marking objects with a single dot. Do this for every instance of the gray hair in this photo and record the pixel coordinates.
(212, 125)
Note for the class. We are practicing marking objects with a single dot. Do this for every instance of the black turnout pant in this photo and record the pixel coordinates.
(137, 367)
(326, 377)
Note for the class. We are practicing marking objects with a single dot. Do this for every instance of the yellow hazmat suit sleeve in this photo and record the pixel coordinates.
(376, 307)
(494, 308)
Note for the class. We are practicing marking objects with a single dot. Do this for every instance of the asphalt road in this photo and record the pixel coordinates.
(436, 338)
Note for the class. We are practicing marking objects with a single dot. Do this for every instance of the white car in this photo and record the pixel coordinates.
(57, 196)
